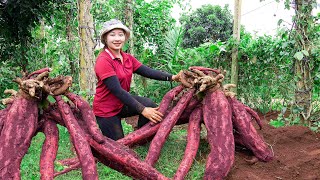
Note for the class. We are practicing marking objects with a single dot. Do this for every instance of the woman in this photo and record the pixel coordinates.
(114, 69)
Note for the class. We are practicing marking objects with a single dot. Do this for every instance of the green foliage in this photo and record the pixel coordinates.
(105, 10)
(277, 123)
(7, 74)
(283, 120)
(208, 23)
(17, 20)
(151, 28)
(265, 62)
(172, 44)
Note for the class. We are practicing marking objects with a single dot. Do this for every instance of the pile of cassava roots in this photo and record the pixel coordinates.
(200, 98)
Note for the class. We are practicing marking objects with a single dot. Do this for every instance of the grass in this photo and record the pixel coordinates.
(169, 161)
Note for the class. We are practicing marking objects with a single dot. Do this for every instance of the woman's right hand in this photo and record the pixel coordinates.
(152, 114)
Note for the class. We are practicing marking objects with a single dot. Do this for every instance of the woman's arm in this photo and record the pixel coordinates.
(148, 72)
(115, 88)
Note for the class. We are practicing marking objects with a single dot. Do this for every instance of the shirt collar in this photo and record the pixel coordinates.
(124, 56)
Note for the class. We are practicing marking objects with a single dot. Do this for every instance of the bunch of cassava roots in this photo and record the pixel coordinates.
(200, 98)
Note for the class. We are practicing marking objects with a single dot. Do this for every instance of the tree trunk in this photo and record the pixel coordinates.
(24, 61)
(42, 35)
(87, 45)
(304, 83)
(129, 23)
(236, 35)
(70, 38)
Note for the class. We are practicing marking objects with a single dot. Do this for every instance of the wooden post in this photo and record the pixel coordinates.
(236, 35)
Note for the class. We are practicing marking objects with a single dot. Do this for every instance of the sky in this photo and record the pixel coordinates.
(257, 17)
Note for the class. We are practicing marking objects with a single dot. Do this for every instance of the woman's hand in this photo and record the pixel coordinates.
(177, 77)
(152, 114)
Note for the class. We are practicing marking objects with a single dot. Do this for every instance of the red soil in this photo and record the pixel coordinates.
(296, 150)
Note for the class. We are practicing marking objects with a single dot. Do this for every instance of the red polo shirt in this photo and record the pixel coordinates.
(105, 104)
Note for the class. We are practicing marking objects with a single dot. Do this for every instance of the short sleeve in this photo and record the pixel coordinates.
(103, 68)
(135, 63)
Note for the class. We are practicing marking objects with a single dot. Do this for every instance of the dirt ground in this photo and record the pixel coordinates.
(296, 150)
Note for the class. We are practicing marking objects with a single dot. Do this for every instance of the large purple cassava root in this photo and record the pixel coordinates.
(116, 156)
(247, 133)
(49, 149)
(201, 98)
(89, 169)
(3, 114)
(217, 119)
(125, 161)
(150, 129)
(193, 141)
(19, 128)
(87, 116)
(19, 123)
(166, 125)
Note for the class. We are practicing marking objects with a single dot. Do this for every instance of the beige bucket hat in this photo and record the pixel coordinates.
(113, 24)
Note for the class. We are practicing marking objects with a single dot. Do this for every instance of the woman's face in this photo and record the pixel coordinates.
(115, 39)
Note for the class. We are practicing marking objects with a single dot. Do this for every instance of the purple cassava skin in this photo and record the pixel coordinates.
(184, 118)
(71, 167)
(254, 115)
(39, 72)
(87, 115)
(108, 144)
(193, 140)
(3, 114)
(78, 137)
(49, 149)
(250, 111)
(166, 126)
(126, 163)
(19, 128)
(116, 156)
(139, 135)
(246, 132)
(217, 119)
(52, 113)
(69, 161)
(73, 163)
(150, 128)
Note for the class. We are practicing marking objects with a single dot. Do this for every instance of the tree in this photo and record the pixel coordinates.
(70, 28)
(129, 22)
(208, 23)
(151, 28)
(303, 61)
(87, 45)
(17, 19)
